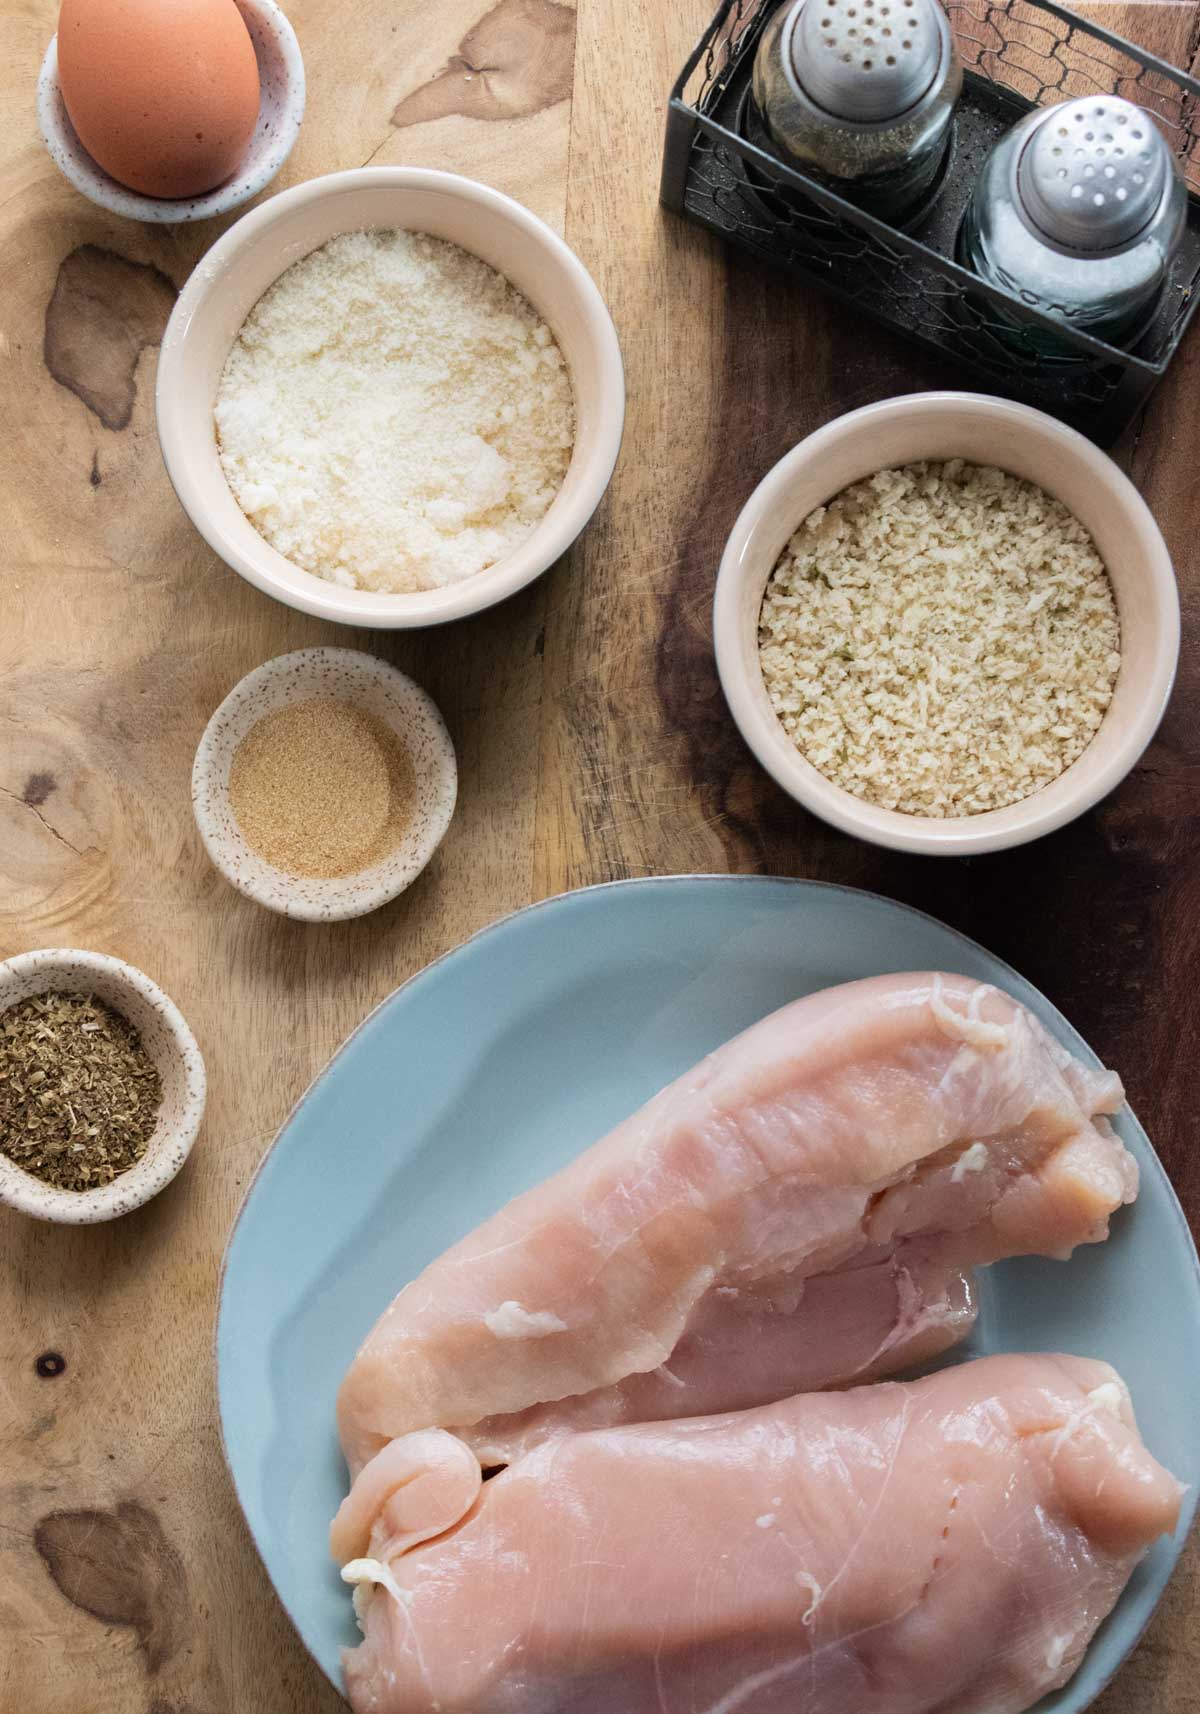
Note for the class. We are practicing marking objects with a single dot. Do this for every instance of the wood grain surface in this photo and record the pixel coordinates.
(593, 743)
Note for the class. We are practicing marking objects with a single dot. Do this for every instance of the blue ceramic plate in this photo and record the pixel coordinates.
(495, 1066)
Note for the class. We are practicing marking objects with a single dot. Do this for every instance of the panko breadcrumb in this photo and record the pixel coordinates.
(940, 639)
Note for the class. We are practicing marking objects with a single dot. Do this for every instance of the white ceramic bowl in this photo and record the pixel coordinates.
(170, 1044)
(980, 430)
(251, 256)
(281, 109)
(367, 683)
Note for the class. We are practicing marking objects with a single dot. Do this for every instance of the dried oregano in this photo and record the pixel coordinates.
(79, 1094)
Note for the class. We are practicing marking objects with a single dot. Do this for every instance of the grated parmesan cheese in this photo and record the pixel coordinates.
(394, 415)
(940, 639)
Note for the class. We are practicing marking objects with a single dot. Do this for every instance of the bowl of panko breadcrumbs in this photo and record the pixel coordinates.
(946, 623)
(390, 397)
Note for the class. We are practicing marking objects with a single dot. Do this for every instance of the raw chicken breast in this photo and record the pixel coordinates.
(860, 1323)
(797, 1211)
(944, 1546)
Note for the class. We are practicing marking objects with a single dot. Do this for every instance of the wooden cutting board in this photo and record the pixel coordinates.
(592, 739)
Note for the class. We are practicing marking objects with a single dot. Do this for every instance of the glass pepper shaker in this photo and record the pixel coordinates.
(860, 94)
(1079, 210)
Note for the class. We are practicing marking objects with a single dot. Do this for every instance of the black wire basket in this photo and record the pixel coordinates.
(1017, 55)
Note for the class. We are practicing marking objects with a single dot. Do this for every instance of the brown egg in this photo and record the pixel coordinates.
(163, 93)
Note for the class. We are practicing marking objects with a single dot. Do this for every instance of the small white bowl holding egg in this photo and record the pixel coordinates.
(171, 114)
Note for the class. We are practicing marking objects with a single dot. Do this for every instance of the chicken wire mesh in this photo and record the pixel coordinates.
(1017, 55)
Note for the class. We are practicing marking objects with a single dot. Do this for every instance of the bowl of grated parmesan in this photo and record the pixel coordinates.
(390, 397)
(946, 623)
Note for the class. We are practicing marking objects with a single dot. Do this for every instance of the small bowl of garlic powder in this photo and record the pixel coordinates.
(390, 397)
(946, 623)
(324, 783)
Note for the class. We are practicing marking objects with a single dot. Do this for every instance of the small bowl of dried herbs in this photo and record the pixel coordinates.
(101, 1086)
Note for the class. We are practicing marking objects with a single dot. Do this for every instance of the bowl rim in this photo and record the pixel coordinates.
(164, 1157)
(549, 539)
(952, 837)
(356, 903)
(117, 198)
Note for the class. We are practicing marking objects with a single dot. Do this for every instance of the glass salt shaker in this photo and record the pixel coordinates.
(860, 94)
(1079, 210)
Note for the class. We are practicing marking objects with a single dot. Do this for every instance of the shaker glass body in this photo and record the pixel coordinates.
(1078, 210)
(860, 94)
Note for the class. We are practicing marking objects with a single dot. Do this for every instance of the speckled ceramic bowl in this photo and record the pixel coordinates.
(168, 1041)
(377, 688)
(281, 109)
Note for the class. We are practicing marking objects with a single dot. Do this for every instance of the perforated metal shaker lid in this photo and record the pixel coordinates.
(866, 60)
(1092, 174)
